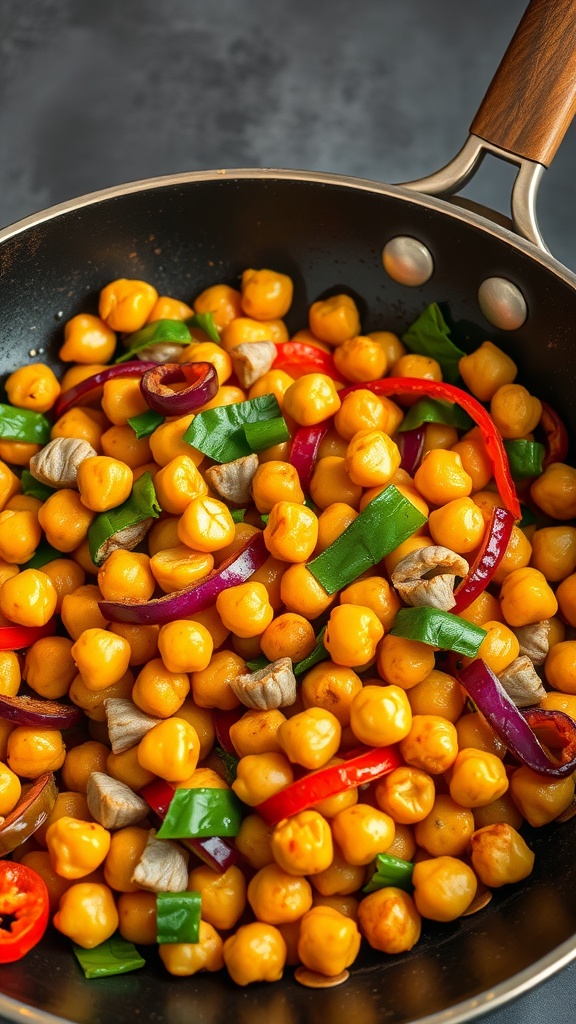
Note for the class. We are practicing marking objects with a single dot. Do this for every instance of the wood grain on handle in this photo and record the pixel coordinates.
(532, 97)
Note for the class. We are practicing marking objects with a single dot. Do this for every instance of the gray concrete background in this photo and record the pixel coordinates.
(97, 92)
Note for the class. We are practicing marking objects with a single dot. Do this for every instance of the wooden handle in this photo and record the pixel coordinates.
(532, 97)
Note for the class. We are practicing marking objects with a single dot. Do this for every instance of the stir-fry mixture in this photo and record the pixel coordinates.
(286, 655)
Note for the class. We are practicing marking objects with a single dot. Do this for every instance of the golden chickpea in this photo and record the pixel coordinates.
(257, 952)
(444, 888)
(389, 920)
(329, 941)
(500, 855)
(447, 829)
(277, 897)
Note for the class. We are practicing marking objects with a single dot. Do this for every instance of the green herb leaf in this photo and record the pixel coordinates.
(528, 517)
(174, 331)
(439, 629)
(229, 764)
(264, 435)
(317, 654)
(525, 458)
(201, 813)
(205, 321)
(386, 521)
(141, 505)
(115, 956)
(238, 514)
(178, 916)
(429, 335)
(390, 871)
(146, 422)
(219, 432)
(23, 425)
(44, 553)
(435, 410)
(33, 487)
(255, 664)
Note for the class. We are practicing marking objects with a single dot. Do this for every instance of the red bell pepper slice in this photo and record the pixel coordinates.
(304, 451)
(557, 443)
(24, 900)
(487, 560)
(371, 764)
(490, 435)
(13, 638)
(306, 358)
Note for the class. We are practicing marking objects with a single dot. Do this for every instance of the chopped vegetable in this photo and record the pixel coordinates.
(264, 435)
(30, 812)
(174, 331)
(14, 638)
(487, 560)
(215, 851)
(557, 443)
(205, 322)
(39, 713)
(23, 425)
(89, 384)
(433, 410)
(219, 432)
(429, 335)
(237, 514)
(44, 553)
(33, 487)
(390, 871)
(411, 447)
(183, 603)
(304, 451)
(525, 458)
(317, 654)
(310, 789)
(440, 629)
(201, 814)
(305, 358)
(114, 956)
(117, 527)
(516, 728)
(229, 764)
(145, 423)
(202, 381)
(24, 904)
(385, 522)
(178, 916)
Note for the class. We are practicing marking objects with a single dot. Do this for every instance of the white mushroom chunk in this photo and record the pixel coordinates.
(126, 539)
(252, 360)
(112, 803)
(161, 352)
(163, 866)
(57, 463)
(426, 577)
(534, 641)
(126, 723)
(271, 687)
(232, 481)
(522, 682)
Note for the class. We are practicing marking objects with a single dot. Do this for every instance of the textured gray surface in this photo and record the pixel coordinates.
(96, 93)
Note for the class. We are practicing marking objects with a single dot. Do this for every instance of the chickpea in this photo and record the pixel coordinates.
(329, 941)
(447, 829)
(443, 888)
(500, 855)
(277, 897)
(389, 920)
(302, 844)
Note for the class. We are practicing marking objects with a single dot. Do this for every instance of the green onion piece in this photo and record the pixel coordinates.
(255, 664)
(23, 425)
(146, 422)
(435, 410)
(115, 956)
(44, 553)
(390, 871)
(174, 331)
(178, 917)
(238, 514)
(264, 435)
(33, 487)
(140, 506)
(386, 521)
(439, 629)
(201, 813)
(429, 335)
(229, 764)
(318, 653)
(525, 458)
(205, 321)
(219, 433)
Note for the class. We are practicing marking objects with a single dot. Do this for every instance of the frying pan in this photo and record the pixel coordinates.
(395, 249)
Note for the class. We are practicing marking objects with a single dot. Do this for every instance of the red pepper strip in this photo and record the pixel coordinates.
(215, 851)
(23, 897)
(371, 764)
(202, 381)
(439, 389)
(183, 603)
(222, 722)
(487, 560)
(137, 368)
(13, 638)
(304, 450)
(557, 443)
(306, 358)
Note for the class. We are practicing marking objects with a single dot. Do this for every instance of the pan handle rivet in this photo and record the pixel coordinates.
(502, 303)
(407, 261)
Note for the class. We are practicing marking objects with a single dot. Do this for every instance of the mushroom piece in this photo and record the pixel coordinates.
(522, 682)
(112, 803)
(232, 481)
(57, 463)
(126, 539)
(534, 641)
(161, 352)
(271, 687)
(126, 723)
(163, 866)
(252, 360)
(426, 577)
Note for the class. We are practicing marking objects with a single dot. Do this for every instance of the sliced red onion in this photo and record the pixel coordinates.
(201, 378)
(487, 560)
(515, 728)
(304, 451)
(136, 368)
(411, 446)
(183, 603)
(47, 714)
(215, 851)
(222, 722)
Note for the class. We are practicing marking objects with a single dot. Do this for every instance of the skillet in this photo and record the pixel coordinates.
(187, 231)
